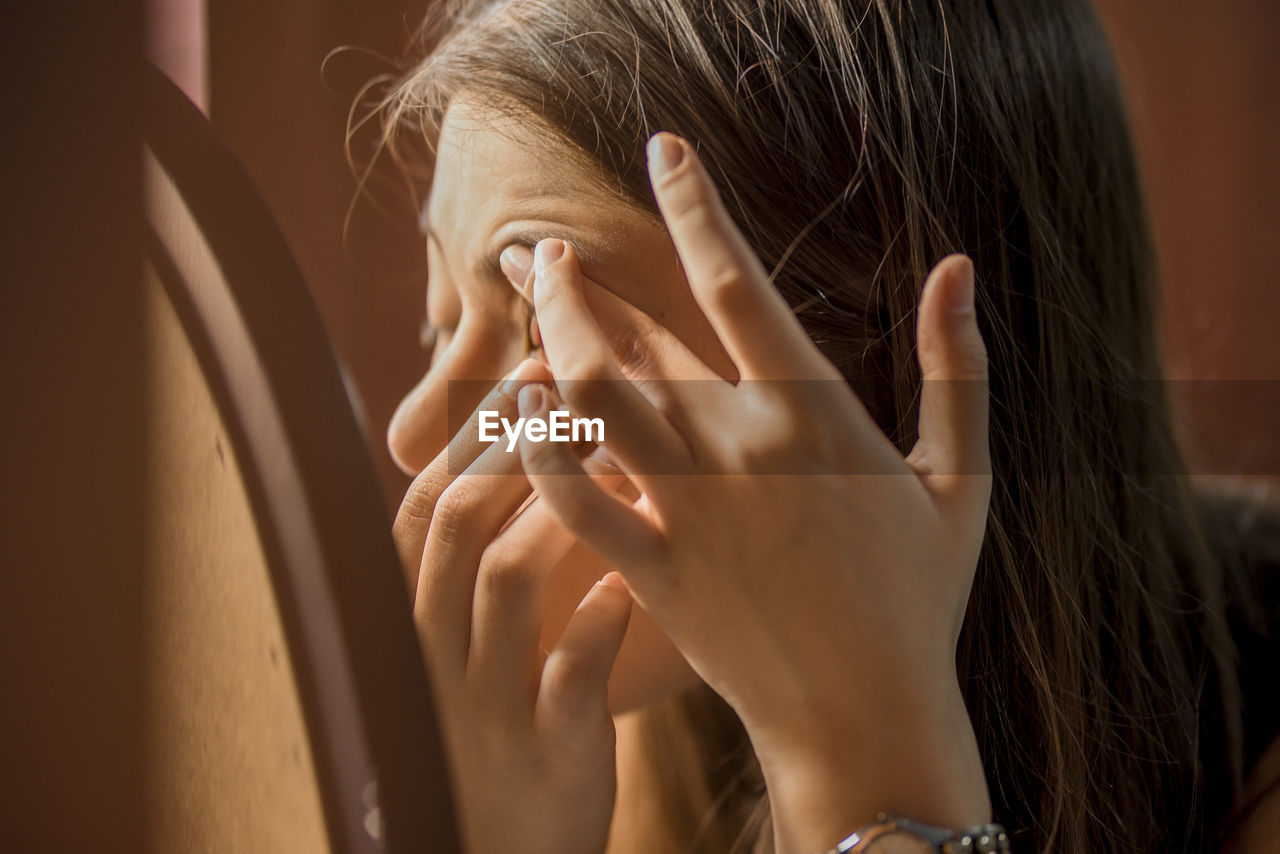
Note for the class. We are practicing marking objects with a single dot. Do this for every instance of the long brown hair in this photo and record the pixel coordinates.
(855, 144)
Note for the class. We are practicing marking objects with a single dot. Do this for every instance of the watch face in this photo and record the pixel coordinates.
(900, 842)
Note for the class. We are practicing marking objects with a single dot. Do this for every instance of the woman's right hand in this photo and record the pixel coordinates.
(529, 734)
(812, 574)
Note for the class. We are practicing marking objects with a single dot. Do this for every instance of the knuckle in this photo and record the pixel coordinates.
(420, 499)
(451, 521)
(631, 345)
(538, 456)
(969, 352)
(786, 443)
(505, 578)
(662, 395)
(551, 298)
(975, 357)
(689, 211)
(689, 207)
(964, 359)
(418, 507)
(546, 459)
(404, 529)
(569, 676)
(680, 189)
(559, 295)
(970, 363)
(589, 386)
(726, 285)
(764, 456)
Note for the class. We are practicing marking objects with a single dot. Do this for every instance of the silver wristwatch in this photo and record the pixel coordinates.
(980, 839)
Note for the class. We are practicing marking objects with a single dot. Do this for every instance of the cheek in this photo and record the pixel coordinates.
(481, 351)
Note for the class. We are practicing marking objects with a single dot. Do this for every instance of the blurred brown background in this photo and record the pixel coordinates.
(285, 110)
(1205, 96)
(1204, 91)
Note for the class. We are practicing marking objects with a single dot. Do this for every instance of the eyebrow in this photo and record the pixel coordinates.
(490, 265)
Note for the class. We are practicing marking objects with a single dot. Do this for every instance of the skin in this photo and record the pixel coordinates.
(499, 186)
(768, 584)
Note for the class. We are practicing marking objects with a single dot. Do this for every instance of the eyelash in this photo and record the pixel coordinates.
(428, 335)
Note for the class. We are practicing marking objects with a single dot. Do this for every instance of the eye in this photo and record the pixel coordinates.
(428, 334)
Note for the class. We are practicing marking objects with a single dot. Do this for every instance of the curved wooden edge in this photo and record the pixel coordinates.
(334, 568)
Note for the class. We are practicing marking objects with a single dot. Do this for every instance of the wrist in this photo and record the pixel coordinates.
(832, 772)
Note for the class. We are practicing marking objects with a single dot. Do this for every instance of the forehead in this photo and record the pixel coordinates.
(494, 168)
(479, 148)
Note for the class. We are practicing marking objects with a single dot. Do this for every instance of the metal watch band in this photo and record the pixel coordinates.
(980, 839)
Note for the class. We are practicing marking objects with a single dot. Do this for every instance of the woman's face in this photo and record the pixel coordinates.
(501, 182)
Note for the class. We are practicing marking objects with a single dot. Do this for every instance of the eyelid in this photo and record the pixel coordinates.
(491, 267)
(588, 251)
(428, 334)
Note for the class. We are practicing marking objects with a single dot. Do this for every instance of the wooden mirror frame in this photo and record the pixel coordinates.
(363, 685)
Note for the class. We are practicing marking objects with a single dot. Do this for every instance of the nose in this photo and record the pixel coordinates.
(476, 360)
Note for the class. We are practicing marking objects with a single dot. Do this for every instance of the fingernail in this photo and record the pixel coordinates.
(614, 580)
(546, 253)
(535, 334)
(960, 294)
(531, 399)
(517, 262)
(665, 153)
(524, 373)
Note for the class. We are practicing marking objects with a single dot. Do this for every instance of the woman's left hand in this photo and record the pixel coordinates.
(811, 574)
(528, 732)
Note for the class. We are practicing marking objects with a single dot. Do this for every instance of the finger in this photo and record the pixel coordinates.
(467, 517)
(466, 444)
(418, 506)
(644, 348)
(507, 611)
(573, 690)
(587, 376)
(648, 354)
(953, 444)
(509, 607)
(754, 323)
(604, 523)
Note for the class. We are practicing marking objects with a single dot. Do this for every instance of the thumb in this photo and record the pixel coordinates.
(954, 402)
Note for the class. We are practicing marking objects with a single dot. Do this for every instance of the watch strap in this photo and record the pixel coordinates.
(979, 839)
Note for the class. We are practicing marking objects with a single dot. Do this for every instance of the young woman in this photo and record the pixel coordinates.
(922, 552)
